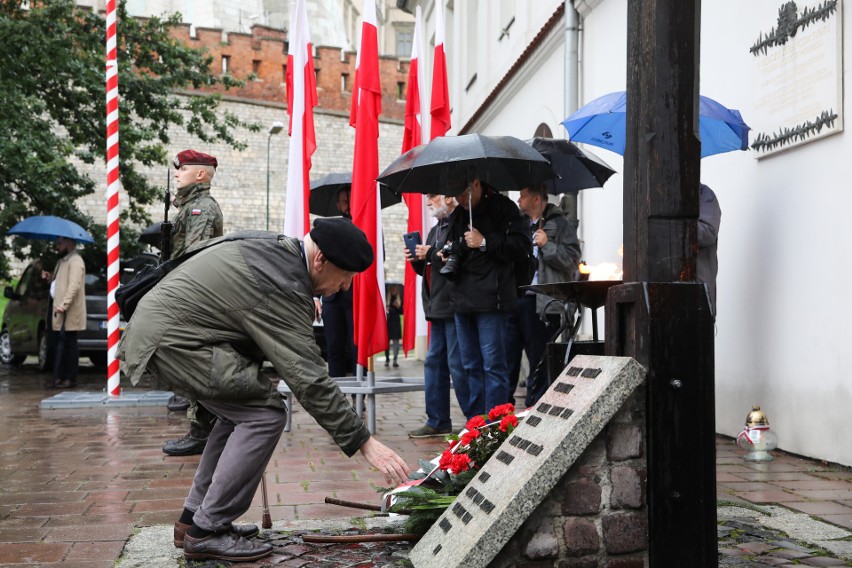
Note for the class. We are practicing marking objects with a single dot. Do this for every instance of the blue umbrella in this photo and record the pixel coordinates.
(48, 228)
(603, 123)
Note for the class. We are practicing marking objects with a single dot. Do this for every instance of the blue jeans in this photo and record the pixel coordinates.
(443, 361)
(482, 342)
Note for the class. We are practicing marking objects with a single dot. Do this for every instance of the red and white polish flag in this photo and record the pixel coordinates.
(370, 318)
(301, 100)
(440, 104)
(412, 136)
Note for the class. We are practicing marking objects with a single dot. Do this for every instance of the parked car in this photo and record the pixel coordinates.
(26, 318)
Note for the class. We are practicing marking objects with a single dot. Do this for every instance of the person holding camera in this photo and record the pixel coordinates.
(443, 358)
(481, 263)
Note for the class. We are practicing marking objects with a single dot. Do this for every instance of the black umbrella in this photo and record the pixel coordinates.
(325, 189)
(446, 165)
(577, 169)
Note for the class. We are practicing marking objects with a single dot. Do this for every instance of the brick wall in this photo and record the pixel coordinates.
(596, 515)
(240, 182)
(263, 55)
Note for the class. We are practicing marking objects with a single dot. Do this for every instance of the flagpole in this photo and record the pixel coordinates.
(371, 400)
(412, 136)
(113, 375)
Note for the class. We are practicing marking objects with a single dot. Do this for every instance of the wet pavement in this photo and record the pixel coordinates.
(87, 487)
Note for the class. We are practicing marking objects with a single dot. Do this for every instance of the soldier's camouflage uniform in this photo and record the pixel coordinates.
(198, 220)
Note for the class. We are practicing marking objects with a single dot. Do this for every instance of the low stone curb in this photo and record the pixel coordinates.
(752, 535)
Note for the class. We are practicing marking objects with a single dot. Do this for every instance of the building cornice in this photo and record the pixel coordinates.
(585, 7)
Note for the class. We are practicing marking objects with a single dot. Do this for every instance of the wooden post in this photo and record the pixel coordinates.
(666, 325)
(661, 160)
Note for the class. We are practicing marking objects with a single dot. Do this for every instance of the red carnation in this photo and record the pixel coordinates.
(453, 443)
(461, 462)
(476, 422)
(501, 410)
(446, 460)
(469, 437)
(509, 420)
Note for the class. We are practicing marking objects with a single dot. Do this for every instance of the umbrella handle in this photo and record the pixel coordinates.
(470, 205)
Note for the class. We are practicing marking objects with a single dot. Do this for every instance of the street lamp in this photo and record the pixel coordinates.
(274, 129)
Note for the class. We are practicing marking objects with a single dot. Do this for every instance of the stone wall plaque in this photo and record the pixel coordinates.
(530, 462)
(798, 76)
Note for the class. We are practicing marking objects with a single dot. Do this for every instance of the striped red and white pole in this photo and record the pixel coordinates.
(113, 387)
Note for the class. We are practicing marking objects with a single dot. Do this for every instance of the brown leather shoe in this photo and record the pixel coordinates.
(225, 546)
(245, 531)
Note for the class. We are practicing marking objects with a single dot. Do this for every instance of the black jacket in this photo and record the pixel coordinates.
(486, 281)
(437, 290)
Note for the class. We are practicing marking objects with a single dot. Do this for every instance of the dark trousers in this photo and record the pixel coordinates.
(236, 455)
(339, 338)
(67, 356)
(528, 333)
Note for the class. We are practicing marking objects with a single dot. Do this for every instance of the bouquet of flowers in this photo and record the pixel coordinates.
(436, 484)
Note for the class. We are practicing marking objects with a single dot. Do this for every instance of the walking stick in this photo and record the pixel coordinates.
(267, 518)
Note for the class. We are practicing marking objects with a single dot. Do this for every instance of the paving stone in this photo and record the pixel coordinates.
(823, 561)
(791, 546)
(790, 554)
(755, 547)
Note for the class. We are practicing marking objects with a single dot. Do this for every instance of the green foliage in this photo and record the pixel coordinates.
(53, 115)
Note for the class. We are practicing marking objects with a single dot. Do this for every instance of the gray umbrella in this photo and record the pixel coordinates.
(578, 169)
(324, 192)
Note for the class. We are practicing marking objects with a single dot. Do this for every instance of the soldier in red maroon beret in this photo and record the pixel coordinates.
(193, 158)
(199, 219)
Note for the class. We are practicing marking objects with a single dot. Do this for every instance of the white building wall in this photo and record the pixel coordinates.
(783, 305)
(783, 310)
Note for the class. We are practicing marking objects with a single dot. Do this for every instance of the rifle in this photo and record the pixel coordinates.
(166, 226)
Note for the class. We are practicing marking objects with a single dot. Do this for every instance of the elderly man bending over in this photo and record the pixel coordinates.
(205, 330)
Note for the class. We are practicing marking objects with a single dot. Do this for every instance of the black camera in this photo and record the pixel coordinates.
(451, 251)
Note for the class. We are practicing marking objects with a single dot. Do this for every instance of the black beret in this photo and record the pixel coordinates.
(342, 243)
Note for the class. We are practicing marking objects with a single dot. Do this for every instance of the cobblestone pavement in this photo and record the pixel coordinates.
(78, 484)
(292, 551)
